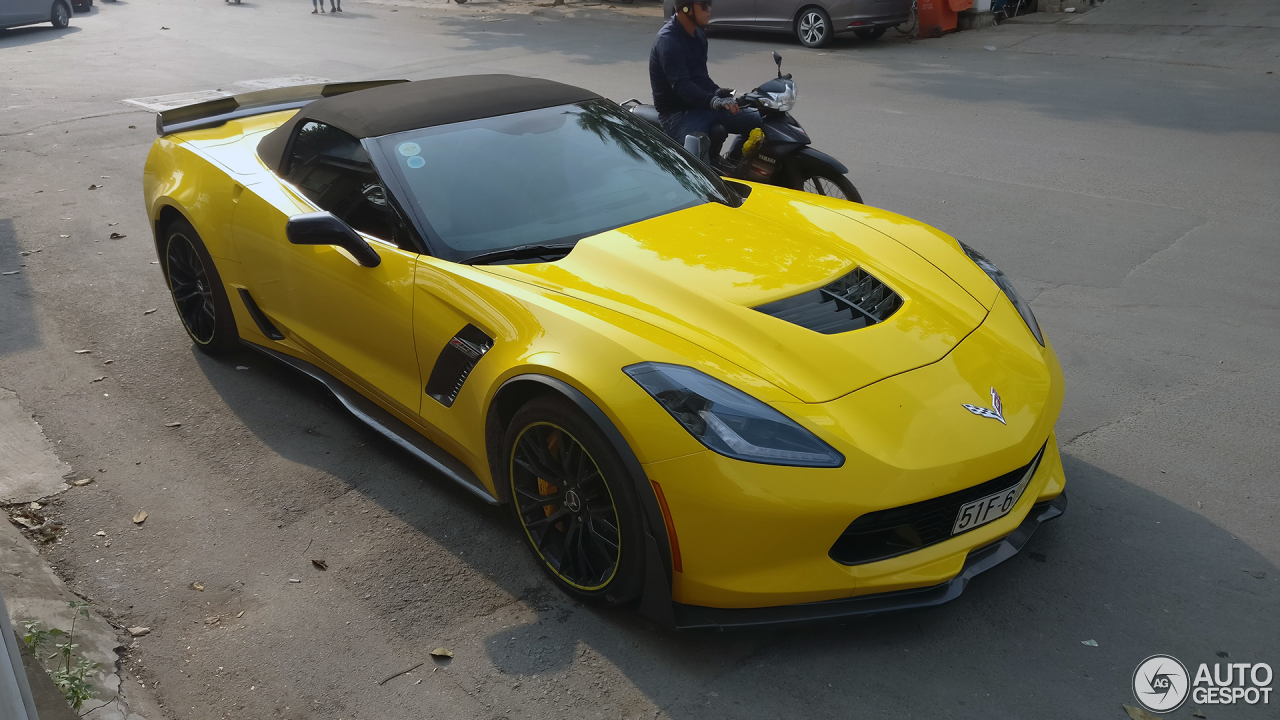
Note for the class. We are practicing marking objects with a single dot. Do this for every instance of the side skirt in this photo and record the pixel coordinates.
(388, 425)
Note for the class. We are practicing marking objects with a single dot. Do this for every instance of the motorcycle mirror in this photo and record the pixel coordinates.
(777, 60)
(697, 145)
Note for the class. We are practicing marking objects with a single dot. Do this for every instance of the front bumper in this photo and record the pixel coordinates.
(693, 616)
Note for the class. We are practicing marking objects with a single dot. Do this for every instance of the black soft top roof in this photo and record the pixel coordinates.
(424, 103)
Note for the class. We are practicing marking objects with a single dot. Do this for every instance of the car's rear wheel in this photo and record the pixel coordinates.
(813, 27)
(60, 15)
(197, 290)
(575, 502)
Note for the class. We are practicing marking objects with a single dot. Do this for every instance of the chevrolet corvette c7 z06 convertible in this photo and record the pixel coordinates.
(735, 404)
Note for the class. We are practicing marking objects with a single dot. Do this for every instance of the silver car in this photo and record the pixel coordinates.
(814, 22)
(30, 12)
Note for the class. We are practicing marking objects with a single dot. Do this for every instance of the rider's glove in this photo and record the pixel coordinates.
(721, 103)
(723, 92)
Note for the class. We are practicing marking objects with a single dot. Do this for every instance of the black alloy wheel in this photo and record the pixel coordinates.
(60, 16)
(827, 182)
(871, 33)
(813, 27)
(575, 502)
(197, 290)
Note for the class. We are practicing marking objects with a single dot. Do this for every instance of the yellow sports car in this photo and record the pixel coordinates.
(734, 403)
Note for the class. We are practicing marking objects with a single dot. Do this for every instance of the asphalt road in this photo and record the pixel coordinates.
(1124, 171)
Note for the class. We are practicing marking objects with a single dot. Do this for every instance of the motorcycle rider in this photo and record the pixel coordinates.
(686, 98)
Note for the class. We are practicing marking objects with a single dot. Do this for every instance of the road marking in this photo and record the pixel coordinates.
(160, 103)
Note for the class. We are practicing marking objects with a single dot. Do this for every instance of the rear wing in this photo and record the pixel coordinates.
(213, 113)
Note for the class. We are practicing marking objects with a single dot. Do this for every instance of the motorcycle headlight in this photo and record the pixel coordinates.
(781, 101)
(729, 421)
(993, 272)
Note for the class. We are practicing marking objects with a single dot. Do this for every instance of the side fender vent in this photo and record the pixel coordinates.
(259, 318)
(854, 301)
(455, 363)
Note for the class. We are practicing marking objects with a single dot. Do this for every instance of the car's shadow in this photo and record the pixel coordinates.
(18, 328)
(31, 34)
(1124, 567)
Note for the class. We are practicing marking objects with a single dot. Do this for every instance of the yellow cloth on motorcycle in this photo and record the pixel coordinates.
(753, 142)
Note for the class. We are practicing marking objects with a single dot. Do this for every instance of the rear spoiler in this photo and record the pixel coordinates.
(213, 113)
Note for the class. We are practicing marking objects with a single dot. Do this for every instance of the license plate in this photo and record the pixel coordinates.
(987, 509)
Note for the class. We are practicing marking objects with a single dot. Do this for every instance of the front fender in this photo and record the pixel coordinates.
(816, 157)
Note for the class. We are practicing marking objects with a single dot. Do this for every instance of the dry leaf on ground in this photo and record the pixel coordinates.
(141, 517)
(139, 631)
(1138, 713)
(442, 652)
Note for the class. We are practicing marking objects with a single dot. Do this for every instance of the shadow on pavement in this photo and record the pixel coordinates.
(29, 34)
(1124, 567)
(18, 330)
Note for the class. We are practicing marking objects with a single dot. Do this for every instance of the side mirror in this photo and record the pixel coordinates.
(322, 228)
(777, 60)
(699, 146)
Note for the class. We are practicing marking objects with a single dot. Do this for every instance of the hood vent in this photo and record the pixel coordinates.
(852, 302)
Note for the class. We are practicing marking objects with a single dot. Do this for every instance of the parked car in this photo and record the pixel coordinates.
(29, 12)
(740, 404)
(82, 5)
(814, 22)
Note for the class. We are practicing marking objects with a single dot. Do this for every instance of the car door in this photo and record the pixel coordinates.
(19, 12)
(732, 13)
(779, 14)
(358, 320)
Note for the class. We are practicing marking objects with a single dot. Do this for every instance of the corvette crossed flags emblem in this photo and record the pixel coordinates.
(995, 412)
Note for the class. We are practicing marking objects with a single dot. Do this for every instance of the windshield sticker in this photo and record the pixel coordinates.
(409, 149)
(415, 162)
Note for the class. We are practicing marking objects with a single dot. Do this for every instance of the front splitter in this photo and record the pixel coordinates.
(688, 617)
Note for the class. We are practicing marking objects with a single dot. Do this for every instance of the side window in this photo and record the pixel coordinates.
(333, 170)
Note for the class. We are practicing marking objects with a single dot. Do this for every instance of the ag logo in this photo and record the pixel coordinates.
(1160, 683)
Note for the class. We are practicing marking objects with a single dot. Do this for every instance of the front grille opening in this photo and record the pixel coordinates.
(850, 303)
(883, 534)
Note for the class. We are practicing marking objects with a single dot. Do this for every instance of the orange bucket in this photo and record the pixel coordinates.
(940, 16)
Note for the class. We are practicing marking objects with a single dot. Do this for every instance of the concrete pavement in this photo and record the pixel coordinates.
(1128, 189)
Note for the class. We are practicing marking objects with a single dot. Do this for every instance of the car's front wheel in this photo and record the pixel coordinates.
(197, 290)
(575, 502)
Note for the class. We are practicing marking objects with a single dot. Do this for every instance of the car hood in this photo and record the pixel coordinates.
(699, 272)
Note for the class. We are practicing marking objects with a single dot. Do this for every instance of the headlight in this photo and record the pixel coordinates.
(993, 272)
(730, 421)
(781, 101)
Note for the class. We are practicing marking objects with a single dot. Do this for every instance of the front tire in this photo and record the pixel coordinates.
(574, 502)
(827, 182)
(197, 290)
(60, 15)
(813, 27)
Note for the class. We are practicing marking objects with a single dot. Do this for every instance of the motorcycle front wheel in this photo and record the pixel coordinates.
(824, 181)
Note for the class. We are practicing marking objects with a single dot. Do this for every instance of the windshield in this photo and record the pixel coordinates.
(543, 178)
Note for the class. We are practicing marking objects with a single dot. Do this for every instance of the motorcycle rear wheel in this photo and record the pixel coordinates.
(826, 182)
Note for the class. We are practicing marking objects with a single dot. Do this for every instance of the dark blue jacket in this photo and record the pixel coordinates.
(678, 70)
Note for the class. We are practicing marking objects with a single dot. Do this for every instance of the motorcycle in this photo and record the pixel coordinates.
(778, 154)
